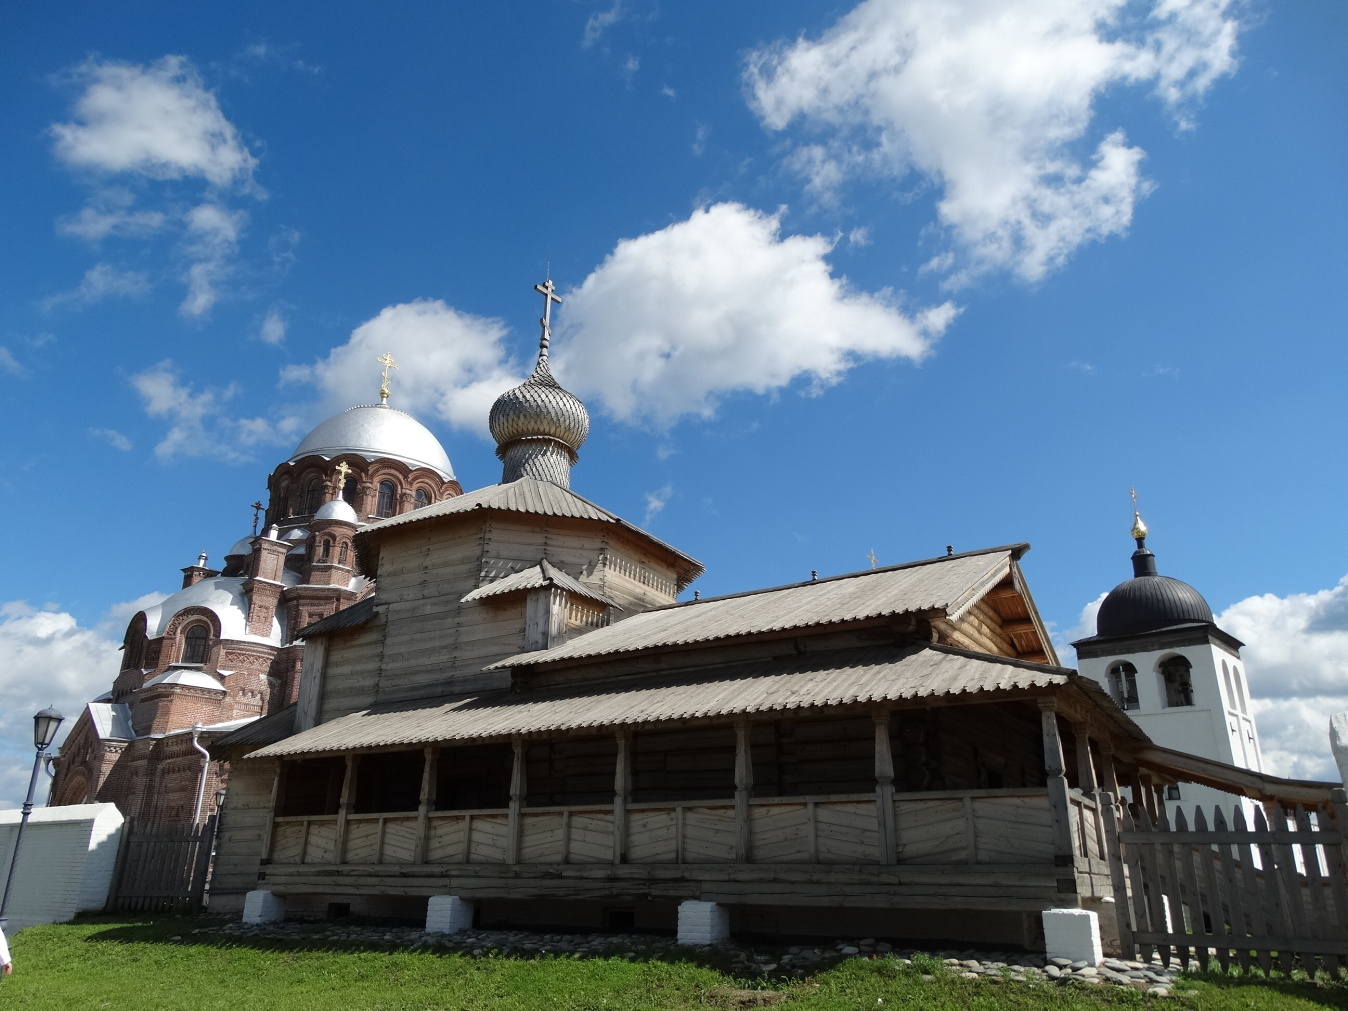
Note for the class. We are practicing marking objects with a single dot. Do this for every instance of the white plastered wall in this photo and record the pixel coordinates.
(65, 865)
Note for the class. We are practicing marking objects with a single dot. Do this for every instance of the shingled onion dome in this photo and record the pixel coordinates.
(538, 426)
(1148, 601)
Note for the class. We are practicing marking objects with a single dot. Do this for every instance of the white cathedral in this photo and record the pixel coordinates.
(1160, 655)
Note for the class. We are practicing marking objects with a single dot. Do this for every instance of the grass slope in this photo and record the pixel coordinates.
(123, 964)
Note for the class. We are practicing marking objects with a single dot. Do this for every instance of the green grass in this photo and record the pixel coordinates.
(132, 964)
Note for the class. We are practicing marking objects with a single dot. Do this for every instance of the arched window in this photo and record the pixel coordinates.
(313, 495)
(349, 491)
(387, 499)
(1240, 688)
(325, 554)
(133, 645)
(1179, 688)
(1230, 690)
(341, 554)
(194, 644)
(422, 499)
(1123, 684)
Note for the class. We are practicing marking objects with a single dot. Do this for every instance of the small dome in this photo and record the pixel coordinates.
(242, 547)
(337, 509)
(377, 432)
(1148, 603)
(298, 534)
(539, 408)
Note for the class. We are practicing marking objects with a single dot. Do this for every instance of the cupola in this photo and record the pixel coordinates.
(1148, 601)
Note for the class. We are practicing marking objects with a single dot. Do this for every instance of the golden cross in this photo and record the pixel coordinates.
(386, 360)
(874, 561)
(343, 469)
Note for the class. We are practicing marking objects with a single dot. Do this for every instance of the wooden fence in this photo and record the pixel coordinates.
(162, 869)
(1256, 895)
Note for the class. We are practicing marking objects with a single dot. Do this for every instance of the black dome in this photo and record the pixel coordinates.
(1146, 603)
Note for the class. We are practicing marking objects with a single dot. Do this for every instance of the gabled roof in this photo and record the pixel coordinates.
(535, 577)
(874, 674)
(948, 585)
(533, 497)
(111, 721)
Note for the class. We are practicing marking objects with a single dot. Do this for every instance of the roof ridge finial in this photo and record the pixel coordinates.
(1139, 528)
(386, 360)
(549, 292)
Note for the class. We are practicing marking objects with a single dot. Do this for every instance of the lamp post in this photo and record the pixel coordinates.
(45, 725)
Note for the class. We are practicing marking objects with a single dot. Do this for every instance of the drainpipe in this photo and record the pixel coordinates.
(205, 768)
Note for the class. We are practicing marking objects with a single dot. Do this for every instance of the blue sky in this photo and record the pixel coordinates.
(837, 278)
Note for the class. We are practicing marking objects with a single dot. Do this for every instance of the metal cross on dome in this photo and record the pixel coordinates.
(549, 292)
(386, 360)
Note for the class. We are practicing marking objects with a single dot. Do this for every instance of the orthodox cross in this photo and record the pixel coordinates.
(386, 360)
(549, 292)
(343, 469)
(257, 507)
(874, 561)
(1139, 530)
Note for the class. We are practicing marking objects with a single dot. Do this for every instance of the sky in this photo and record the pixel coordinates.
(836, 279)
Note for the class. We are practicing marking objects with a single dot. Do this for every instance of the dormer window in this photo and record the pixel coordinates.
(1123, 684)
(194, 644)
(387, 499)
(1177, 674)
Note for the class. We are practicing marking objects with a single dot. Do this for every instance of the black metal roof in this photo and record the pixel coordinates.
(1149, 601)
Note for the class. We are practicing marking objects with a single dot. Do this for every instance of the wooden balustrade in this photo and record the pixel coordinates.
(933, 827)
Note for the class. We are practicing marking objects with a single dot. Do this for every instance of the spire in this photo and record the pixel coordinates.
(1144, 562)
(538, 426)
(386, 360)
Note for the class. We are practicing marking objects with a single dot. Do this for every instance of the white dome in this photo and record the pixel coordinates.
(223, 596)
(337, 509)
(190, 678)
(377, 431)
(244, 546)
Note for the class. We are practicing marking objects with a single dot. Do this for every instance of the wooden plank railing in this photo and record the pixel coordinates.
(162, 869)
(1253, 894)
(933, 827)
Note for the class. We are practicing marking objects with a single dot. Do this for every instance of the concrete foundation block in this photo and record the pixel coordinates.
(448, 914)
(1073, 934)
(703, 923)
(262, 906)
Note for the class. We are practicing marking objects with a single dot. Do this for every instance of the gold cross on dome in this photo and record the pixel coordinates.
(874, 561)
(549, 292)
(343, 469)
(386, 360)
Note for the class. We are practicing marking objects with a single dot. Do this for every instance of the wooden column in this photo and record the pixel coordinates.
(884, 789)
(267, 833)
(744, 784)
(1085, 767)
(1109, 777)
(344, 806)
(425, 799)
(517, 788)
(1054, 769)
(622, 793)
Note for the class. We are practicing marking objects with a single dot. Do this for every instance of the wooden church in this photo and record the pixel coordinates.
(523, 725)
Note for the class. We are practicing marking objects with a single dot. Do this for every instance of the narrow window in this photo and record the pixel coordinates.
(422, 499)
(341, 554)
(326, 554)
(349, 491)
(194, 644)
(1123, 684)
(313, 495)
(1240, 687)
(1179, 688)
(387, 496)
(1230, 691)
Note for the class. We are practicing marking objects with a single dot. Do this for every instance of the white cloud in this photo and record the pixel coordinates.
(113, 438)
(8, 363)
(1085, 626)
(454, 364)
(992, 102)
(109, 213)
(656, 502)
(158, 120)
(674, 320)
(101, 281)
(211, 242)
(273, 328)
(1296, 657)
(199, 424)
(601, 21)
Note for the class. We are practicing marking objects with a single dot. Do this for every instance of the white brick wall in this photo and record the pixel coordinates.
(66, 863)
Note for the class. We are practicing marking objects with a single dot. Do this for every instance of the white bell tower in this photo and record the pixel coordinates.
(1161, 657)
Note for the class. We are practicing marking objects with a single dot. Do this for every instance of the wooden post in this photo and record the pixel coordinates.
(424, 802)
(1054, 771)
(884, 789)
(1109, 777)
(268, 828)
(344, 806)
(517, 787)
(744, 784)
(1085, 767)
(622, 793)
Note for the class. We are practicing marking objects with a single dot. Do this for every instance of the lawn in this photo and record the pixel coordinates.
(118, 963)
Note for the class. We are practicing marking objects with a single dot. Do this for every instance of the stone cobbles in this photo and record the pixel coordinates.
(795, 961)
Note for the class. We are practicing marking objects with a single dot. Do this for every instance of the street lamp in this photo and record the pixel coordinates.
(45, 725)
(219, 799)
